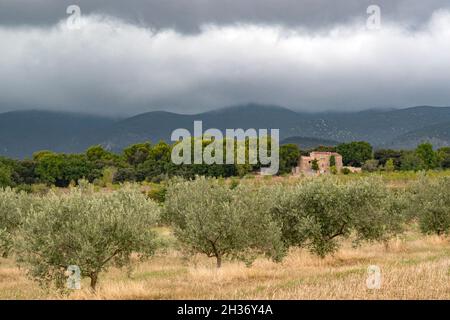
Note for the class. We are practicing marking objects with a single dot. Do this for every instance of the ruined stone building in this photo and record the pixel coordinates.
(323, 160)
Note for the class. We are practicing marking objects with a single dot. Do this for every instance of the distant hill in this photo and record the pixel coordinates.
(159, 125)
(381, 128)
(306, 143)
(24, 132)
(438, 135)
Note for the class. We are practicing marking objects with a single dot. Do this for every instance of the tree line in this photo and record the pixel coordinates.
(361, 154)
(136, 163)
(152, 162)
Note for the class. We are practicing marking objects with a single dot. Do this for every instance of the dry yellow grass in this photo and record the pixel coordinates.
(415, 268)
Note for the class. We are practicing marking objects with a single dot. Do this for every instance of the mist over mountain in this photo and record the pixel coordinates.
(24, 132)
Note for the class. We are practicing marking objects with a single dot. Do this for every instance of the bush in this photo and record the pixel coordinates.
(426, 153)
(157, 193)
(5, 176)
(27, 188)
(107, 178)
(431, 204)
(333, 161)
(211, 218)
(345, 171)
(370, 165)
(13, 206)
(86, 229)
(315, 213)
(333, 170)
(124, 175)
(315, 165)
(389, 166)
(39, 189)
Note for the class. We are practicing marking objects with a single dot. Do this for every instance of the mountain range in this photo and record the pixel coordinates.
(24, 132)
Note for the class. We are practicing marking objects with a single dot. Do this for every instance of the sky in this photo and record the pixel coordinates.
(187, 56)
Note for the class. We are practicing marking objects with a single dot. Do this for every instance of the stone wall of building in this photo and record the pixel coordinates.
(323, 160)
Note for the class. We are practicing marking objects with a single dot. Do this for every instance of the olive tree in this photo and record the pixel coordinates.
(87, 229)
(316, 213)
(431, 204)
(13, 206)
(211, 218)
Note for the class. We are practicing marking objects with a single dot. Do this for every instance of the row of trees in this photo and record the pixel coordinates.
(152, 162)
(93, 230)
(210, 218)
(241, 221)
(424, 157)
(138, 162)
(361, 154)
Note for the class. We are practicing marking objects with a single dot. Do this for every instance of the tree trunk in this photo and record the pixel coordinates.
(219, 260)
(94, 280)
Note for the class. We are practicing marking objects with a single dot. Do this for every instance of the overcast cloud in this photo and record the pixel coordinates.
(190, 56)
(189, 15)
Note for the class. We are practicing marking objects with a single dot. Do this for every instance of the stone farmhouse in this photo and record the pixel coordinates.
(323, 160)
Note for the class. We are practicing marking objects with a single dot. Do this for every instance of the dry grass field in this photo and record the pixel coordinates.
(414, 267)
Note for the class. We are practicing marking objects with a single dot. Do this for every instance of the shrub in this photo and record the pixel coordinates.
(39, 189)
(332, 161)
(333, 170)
(443, 157)
(27, 188)
(389, 166)
(86, 229)
(211, 218)
(426, 153)
(345, 171)
(5, 176)
(124, 175)
(107, 177)
(370, 165)
(315, 165)
(157, 192)
(234, 183)
(315, 213)
(411, 161)
(13, 206)
(431, 204)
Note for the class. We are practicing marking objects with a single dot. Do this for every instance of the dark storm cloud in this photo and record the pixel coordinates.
(306, 55)
(189, 15)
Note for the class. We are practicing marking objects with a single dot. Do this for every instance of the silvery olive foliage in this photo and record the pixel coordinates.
(218, 220)
(317, 212)
(13, 206)
(431, 204)
(87, 229)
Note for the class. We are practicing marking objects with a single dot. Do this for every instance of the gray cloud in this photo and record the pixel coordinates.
(189, 15)
(113, 66)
